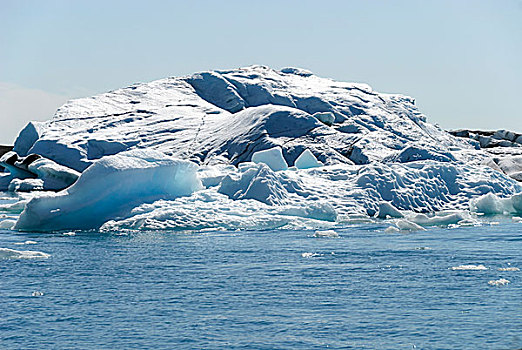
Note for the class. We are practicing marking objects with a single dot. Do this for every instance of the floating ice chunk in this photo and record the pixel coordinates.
(272, 157)
(110, 188)
(327, 118)
(308, 255)
(499, 282)
(488, 204)
(491, 204)
(391, 229)
(508, 269)
(440, 219)
(6, 253)
(406, 225)
(326, 233)
(307, 160)
(7, 224)
(37, 293)
(387, 210)
(26, 242)
(469, 268)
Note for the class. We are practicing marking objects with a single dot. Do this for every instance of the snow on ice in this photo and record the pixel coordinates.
(252, 148)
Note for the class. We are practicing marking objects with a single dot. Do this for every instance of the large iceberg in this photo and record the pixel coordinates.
(253, 148)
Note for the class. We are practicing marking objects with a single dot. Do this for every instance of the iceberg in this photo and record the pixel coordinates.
(254, 148)
(108, 189)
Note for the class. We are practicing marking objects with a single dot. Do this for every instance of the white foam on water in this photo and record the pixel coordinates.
(6, 253)
(469, 268)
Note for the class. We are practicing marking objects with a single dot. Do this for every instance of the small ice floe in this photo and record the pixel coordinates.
(37, 293)
(26, 242)
(6, 253)
(326, 234)
(516, 219)
(508, 269)
(422, 248)
(7, 224)
(469, 268)
(392, 229)
(70, 233)
(491, 204)
(499, 282)
(405, 225)
(309, 255)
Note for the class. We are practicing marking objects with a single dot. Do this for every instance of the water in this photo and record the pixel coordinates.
(261, 290)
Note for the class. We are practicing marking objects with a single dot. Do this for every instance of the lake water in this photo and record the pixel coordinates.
(366, 289)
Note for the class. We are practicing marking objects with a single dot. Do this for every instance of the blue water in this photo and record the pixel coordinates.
(255, 290)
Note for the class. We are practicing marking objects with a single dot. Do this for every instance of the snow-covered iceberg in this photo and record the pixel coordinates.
(253, 148)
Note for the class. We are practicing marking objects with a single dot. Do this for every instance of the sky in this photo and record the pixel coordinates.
(461, 60)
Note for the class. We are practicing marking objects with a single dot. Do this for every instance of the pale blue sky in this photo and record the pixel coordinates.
(461, 60)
